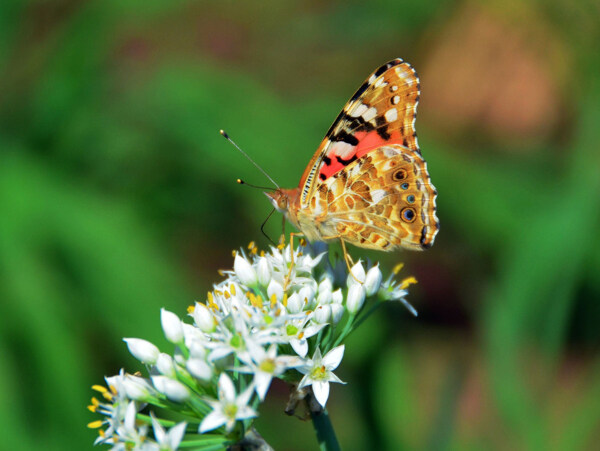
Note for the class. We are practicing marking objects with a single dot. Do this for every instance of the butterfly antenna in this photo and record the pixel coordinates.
(243, 182)
(226, 136)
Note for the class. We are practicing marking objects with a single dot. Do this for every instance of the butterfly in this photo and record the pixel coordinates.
(367, 184)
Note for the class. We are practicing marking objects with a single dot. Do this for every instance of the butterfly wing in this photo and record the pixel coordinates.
(382, 111)
(368, 183)
(383, 201)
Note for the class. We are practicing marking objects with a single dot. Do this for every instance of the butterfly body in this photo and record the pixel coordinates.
(367, 183)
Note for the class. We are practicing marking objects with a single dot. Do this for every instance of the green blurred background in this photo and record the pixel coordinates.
(118, 197)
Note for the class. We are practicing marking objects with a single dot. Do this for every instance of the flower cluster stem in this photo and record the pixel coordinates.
(324, 430)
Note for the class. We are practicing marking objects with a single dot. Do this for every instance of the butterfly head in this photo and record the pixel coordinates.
(280, 199)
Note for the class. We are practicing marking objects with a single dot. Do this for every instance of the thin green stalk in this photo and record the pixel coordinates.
(324, 429)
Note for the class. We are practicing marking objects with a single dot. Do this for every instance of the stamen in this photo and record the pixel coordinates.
(191, 309)
(99, 388)
(398, 268)
(407, 282)
(232, 289)
(95, 424)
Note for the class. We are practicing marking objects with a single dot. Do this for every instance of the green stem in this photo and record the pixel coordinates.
(324, 430)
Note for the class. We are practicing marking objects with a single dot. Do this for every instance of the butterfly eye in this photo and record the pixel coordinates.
(410, 198)
(404, 186)
(400, 174)
(408, 214)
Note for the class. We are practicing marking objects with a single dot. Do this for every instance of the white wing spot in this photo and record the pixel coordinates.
(396, 100)
(391, 115)
(394, 88)
(378, 194)
(372, 78)
(359, 110)
(342, 149)
(370, 114)
(380, 82)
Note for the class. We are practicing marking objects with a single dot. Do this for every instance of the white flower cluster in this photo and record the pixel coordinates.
(260, 323)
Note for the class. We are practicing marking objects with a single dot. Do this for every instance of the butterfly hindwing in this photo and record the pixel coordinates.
(383, 200)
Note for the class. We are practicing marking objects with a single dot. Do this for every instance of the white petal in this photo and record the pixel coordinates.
(294, 304)
(373, 280)
(172, 389)
(337, 311)
(212, 421)
(300, 347)
(321, 391)
(226, 388)
(275, 288)
(334, 357)
(159, 431)
(322, 314)
(358, 272)
(176, 435)
(263, 382)
(264, 271)
(356, 297)
(164, 365)
(171, 325)
(245, 412)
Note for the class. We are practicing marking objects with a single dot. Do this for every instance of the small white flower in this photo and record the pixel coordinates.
(203, 318)
(244, 271)
(171, 325)
(168, 441)
(356, 297)
(337, 296)
(142, 350)
(267, 364)
(172, 389)
(137, 388)
(307, 295)
(318, 372)
(229, 407)
(373, 280)
(128, 432)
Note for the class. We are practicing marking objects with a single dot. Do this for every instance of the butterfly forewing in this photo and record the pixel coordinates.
(368, 184)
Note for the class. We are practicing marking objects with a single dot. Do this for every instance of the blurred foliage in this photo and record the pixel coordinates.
(117, 197)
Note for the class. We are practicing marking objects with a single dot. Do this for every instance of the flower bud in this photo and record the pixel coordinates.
(171, 325)
(337, 311)
(337, 297)
(322, 314)
(324, 297)
(142, 350)
(373, 280)
(172, 389)
(244, 271)
(203, 318)
(356, 298)
(164, 365)
(294, 304)
(357, 276)
(136, 388)
(325, 284)
(264, 271)
(199, 369)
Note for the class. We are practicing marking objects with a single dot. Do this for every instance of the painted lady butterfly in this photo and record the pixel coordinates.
(367, 183)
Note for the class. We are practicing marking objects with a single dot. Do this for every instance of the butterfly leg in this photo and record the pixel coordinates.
(348, 260)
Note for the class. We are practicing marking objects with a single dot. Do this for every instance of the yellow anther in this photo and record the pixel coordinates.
(273, 300)
(220, 293)
(407, 282)
(302, 242)
(211, 301)
(100, 388)
(113, 390)
(300, 335)
(232, 289)
(284, 300)
(95, 424)
(221, 272)
(262, 253)
(191, 309)
(227, 295)
(251, 245)
(398, 268)
(233, 253)
(95, 401)
(92, 408)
